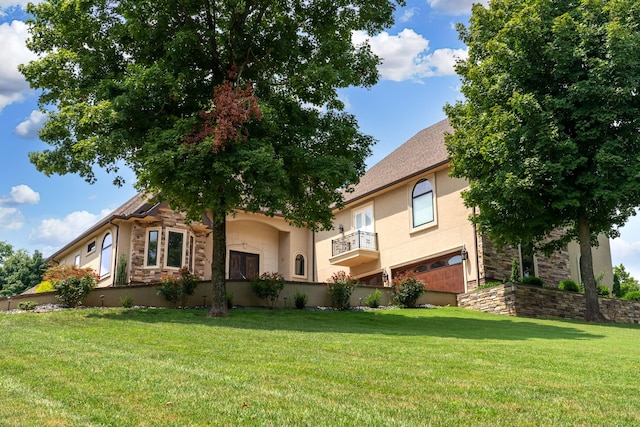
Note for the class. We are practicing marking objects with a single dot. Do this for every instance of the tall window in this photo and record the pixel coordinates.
(422, 203)
(152, 248)
(299, 270)
(105, 256)
(76, 261)
(175, 249)
(528, 263)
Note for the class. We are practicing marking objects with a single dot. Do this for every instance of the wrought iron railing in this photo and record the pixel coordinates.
(353, 241)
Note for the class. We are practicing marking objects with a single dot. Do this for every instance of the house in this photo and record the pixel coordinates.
(406, 214)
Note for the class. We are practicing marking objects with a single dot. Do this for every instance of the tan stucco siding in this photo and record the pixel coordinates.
(602, 264)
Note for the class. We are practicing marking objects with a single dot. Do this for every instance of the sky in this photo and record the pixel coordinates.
(417, 80)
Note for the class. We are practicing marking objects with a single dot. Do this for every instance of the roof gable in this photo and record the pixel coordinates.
(424, 151)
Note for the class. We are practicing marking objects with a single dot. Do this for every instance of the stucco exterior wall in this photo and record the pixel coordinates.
(398, 242)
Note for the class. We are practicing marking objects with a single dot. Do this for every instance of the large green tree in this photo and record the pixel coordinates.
(19, 271)
(548, 134)
(215, 104)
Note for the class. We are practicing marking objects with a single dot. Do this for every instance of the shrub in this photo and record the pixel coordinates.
(177, 288)
(489, 285)
(532, 281)
(632, 296)
(71, 284)
(45, 286)
(515, 271)
(267, 287)
(300, 300)
(27, 305)
(569, 286)
(121, 271)
(407, 289)
(229, 300)
(340, 288)
(374, 299)
(603, 291)
(126, 301)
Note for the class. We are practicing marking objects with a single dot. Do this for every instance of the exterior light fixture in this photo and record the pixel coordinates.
(102, 300)
(9, 303)
(341, 228)
(204, 301)
(385, 276)
(464, 254)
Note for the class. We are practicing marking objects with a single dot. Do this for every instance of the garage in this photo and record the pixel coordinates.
(441, 274)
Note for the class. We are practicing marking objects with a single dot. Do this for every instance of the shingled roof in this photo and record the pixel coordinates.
(422, 152)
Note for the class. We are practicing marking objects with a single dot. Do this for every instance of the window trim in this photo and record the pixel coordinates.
(183, 260)
(102, 249)
(158, 249)
(410, 189)
(295, 265)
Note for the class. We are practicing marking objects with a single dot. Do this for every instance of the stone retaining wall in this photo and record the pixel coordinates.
(529, 301)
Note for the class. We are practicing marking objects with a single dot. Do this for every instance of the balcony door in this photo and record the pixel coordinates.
(363, 219)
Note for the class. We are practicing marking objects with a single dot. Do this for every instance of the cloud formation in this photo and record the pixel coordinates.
(11, 219)
(454, 7)
(30, 127)
(405, 56)
(20, 195)
(13, 86)
(56, 231)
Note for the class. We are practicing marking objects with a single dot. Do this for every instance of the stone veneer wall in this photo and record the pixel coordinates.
(496, 265)
(166, 218)
(530, 301)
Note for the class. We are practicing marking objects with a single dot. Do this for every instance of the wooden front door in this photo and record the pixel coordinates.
(243, 266)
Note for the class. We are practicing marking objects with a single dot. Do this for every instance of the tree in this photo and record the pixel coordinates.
(19, 271)
(626, 282)
(215, 104)
(548, 132)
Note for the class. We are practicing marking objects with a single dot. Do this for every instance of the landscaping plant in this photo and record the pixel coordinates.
(374, 299)
(267, 287)
(407, 289)
(177, 288)
(300, 300)
(70, 283)
(340, 287)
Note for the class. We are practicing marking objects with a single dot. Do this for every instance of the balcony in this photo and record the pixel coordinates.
(354, 249)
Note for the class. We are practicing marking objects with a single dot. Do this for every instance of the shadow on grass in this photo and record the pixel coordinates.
(444, 323)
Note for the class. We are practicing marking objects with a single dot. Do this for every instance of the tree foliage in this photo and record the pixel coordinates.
(215, 104)
(19, 271)
(626, 282)
(548, 132)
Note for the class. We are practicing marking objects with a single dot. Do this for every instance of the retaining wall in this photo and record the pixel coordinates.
(530, 301)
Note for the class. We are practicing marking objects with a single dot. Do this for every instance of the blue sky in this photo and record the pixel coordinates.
(417, 80)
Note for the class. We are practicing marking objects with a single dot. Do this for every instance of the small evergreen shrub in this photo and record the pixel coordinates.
(632, 296)
(121, 271)
(45, 286)
(407, 289)
(340, 288)
(569, 286)
(515, 271)
(489, 285)
(177, 288)
(532, 281)
(229, 300)
(267, 287)
(71, 284)
(374, 299)
(300, 300)
(27, 305)
(126, 301)
(603, 291)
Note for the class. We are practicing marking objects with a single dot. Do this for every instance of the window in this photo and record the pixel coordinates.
(76, 261)
(363, 219)
(299, 268)
(91, 247)
(175, 249)
(152, 248)
(105, 256)
(527, 266)
(422, 203)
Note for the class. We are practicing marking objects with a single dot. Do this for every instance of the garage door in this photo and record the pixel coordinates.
(443, 274)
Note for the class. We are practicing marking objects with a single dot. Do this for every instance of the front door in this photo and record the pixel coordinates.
(243, 266)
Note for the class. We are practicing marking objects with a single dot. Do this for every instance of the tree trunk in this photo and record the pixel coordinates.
(592, 313)
(218, 267)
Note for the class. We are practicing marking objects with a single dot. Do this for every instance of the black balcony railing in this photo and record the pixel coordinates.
(353, 241)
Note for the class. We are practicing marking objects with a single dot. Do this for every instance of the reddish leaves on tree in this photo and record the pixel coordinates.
(232, 108)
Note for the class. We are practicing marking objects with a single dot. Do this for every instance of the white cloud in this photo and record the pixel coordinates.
(30, 127)
(11, 219)
(55, 231)
(22, 3)
(405, 56)
(13, 86)
(455, 7)
(21, 195)
(407, 14)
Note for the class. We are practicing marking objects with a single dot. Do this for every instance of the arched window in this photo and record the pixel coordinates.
(422, 203)
(105, 256)
(299, 265)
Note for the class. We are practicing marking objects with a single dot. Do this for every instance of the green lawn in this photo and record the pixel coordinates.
(445, 366)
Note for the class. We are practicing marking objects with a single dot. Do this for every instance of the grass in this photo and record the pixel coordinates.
(446, 366)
